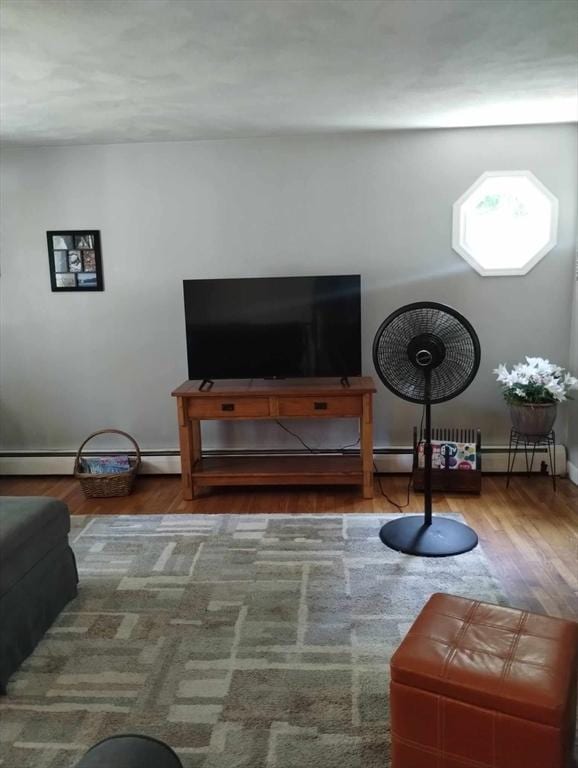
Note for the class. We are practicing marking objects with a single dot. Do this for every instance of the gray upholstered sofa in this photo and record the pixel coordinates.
(38, 574)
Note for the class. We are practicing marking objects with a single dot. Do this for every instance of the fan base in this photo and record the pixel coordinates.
(442, 538)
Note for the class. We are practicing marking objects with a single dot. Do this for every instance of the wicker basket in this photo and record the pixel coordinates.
(110, 484)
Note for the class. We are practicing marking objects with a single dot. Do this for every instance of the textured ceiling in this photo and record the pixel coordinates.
(91, 71)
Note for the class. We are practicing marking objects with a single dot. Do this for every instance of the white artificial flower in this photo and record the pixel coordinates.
(502, 374)
(540, 364)
(541, 374)
(556, 389)
(543, 367)
(521, 375)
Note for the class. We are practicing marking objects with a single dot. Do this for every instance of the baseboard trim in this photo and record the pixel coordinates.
(573, 472)
(63, 463)
(395, 459)
(494, 460)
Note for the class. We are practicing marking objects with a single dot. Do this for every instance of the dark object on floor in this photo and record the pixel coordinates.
(37, 574)
(446, 478)
(480, 684)
(531, 444)
(427, 353)
(130, 752)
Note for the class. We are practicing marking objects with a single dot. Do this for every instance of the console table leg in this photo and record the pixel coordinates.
(187, 447)
(196, 451)
(367, 447)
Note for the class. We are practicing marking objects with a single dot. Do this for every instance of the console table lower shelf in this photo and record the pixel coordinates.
(319, 399)
(278, 470)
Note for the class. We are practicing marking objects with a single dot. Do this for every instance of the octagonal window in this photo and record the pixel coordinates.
(505, 223)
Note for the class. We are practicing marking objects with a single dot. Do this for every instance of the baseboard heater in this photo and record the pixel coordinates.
(396, 459)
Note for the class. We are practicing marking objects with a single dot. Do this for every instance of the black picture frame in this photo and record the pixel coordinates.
(84, 260)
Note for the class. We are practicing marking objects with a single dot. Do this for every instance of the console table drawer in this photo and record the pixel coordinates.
(320, 406)
(227, 408)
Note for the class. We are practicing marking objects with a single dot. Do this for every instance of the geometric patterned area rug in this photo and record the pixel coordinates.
(243, 641)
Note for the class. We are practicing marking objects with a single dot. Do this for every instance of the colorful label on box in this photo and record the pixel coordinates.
(459, 455)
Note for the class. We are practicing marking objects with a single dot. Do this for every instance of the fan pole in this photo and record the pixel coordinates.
(427, 451)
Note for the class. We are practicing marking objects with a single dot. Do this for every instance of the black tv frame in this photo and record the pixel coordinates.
(346, 289)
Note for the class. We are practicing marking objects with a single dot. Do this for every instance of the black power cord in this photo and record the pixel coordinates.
(350, 445)
(315, 450)
(294, 434)
(393, 503)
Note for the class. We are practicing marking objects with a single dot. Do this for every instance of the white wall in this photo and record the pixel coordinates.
(378, 204)
(573, 406)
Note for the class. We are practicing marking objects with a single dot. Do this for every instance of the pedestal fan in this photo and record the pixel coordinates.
(427, 353)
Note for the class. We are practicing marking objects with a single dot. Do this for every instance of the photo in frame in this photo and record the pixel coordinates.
(75, 261)
(61, 261)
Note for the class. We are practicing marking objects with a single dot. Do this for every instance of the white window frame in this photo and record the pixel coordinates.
(458, 225)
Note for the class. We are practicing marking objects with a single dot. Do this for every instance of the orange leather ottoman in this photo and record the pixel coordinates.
(475, 685)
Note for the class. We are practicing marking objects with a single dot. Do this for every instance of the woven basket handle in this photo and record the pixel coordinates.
(106, 432)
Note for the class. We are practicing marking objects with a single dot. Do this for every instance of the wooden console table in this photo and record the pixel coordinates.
(285, 399)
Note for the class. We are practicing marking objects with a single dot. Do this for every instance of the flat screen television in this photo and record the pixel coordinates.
(273, 327)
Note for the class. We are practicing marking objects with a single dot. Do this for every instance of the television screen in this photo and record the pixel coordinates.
(273, 327)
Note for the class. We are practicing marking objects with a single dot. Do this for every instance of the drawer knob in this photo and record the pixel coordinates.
(320, 406)
(227, 406)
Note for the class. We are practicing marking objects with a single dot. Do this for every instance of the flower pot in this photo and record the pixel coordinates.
(534, 420)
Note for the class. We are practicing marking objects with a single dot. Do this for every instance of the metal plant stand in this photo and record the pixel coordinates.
(530, 444)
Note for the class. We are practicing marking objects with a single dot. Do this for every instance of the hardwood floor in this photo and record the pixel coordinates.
(528, 532)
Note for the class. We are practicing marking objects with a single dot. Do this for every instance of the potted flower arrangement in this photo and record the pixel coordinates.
(533, 390)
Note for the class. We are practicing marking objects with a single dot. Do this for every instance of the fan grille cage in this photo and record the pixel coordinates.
(453, 374)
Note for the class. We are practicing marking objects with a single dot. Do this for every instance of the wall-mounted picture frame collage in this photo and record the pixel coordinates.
(75, 260)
